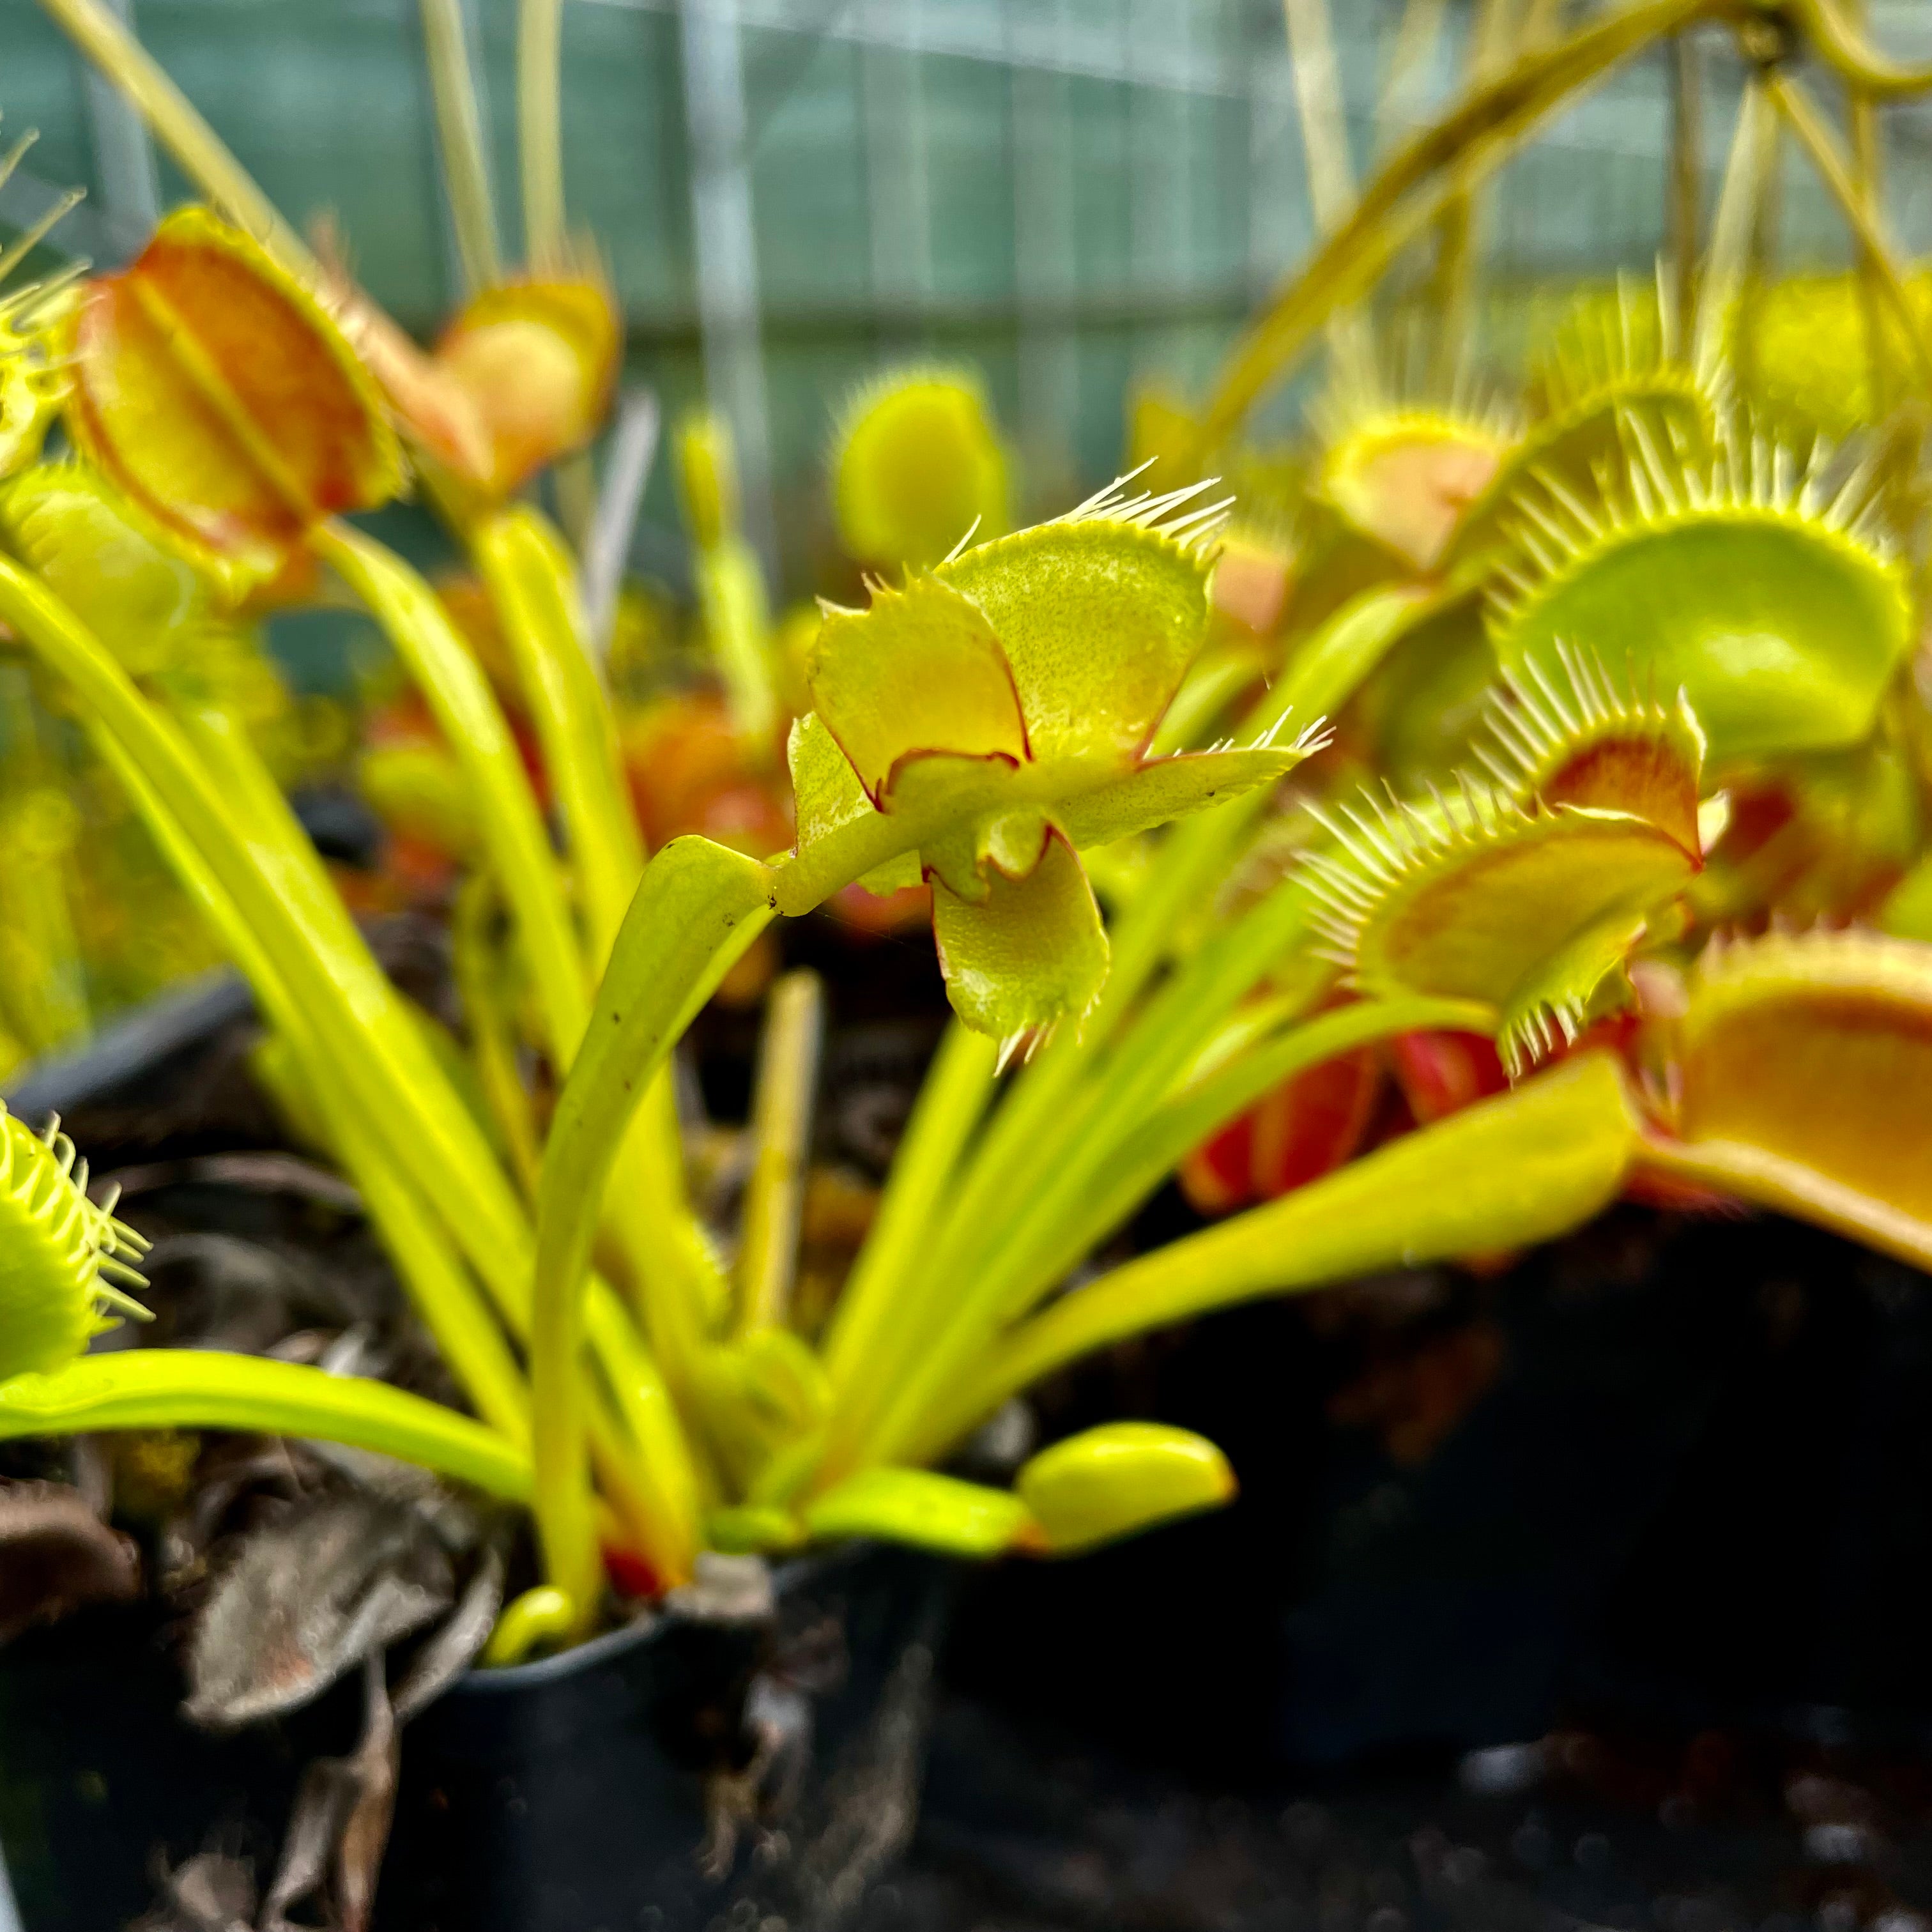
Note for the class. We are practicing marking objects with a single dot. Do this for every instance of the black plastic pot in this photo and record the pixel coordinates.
(1691, 1495)
(577, 1794)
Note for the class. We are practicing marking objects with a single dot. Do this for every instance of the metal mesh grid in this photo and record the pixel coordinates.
(1072, 194)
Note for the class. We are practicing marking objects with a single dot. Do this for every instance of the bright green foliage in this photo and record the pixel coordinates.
(1579, 439)
(1615, 359)
(921, 672)
(540, 1616)
(988, 719)
(1120, 1479)
(1523, 1168)
(916, 1506)
(1030, 950)
(1100, 615)
(113, 565)
(1528, 895)
(1774, 605)
(1528, 910)
(209, 1388)
(917, 468)
(60, 1255)
(1533, 891)
(1641, 576)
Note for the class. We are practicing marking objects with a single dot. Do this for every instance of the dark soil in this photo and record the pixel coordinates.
(1024, 1831)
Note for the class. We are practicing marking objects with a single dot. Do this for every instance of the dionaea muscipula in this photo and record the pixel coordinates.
(61, 1255)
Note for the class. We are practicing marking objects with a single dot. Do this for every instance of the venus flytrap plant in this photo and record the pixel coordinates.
(244, 491)
(989, 714)
(208, 807)
(1060, 648)
(1479, 880)
(1763, 584)
(67, 1264)
(1611, 363)
(1528, 895)
(195, 265)
(1582, 755)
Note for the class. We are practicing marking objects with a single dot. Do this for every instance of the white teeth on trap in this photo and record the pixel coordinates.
(103, 1250)
(1166, 514)
(1552, 526)
(1383, 844)
(1538, 715)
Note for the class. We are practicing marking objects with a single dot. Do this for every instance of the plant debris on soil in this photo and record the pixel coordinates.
(1024, 1831)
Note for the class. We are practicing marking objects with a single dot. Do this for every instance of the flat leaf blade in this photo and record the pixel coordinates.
(1508, 1172)
(929, 1511)
(1117, 1479)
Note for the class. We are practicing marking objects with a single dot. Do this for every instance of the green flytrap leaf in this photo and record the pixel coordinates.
(61, 1256)
(696, 908)
(1525, 1167)
(1100, 615)
(918, 466)
(1119, 1479)
(208, 1388)
(1404, 477)
(1529, 893)
(1801, 1069)
(982, 722)
(1092, 1488)
(107, 560)
(1760, 585)
(1613, 358)
(1422, 707)
(1574, 445)
(921, 674)
(1031, 950)
(929, 1511)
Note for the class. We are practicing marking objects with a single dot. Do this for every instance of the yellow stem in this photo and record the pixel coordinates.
(540, 130)
(492, 1039)
(1816, 139)
(544, 1615)
(441, 667)
(1727, 266)
(1391, 211)
(780, 1132)
(104, 38)
(459, 128)
(1687, 170)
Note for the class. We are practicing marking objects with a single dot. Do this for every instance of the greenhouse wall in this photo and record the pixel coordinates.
(1075, 196)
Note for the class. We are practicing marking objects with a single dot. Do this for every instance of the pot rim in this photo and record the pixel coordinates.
(647, 1626)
